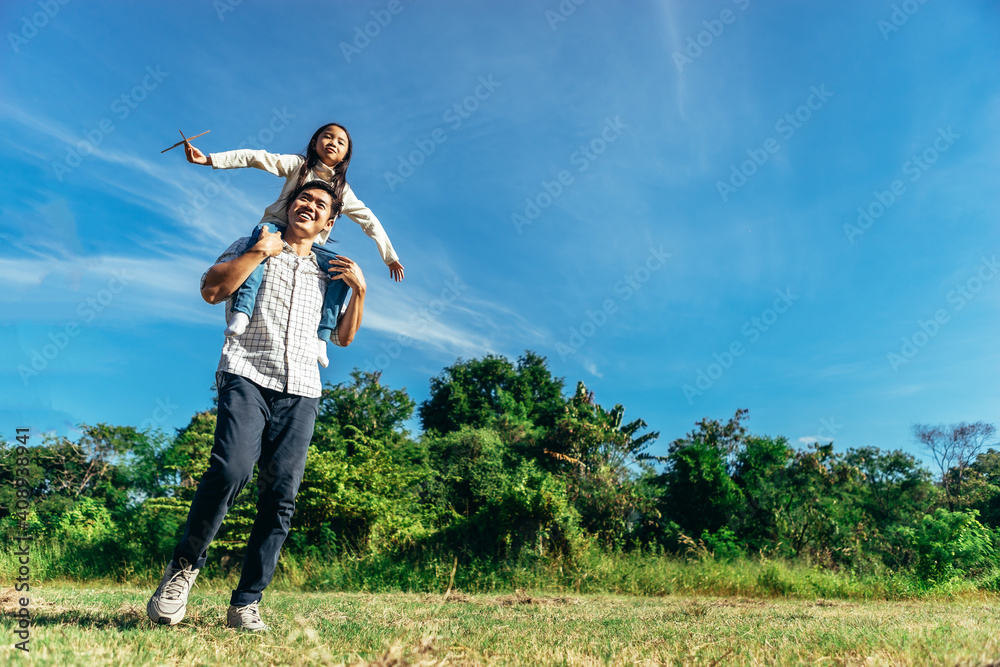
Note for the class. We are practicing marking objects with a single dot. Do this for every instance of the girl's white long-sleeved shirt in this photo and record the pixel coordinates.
(287, 166)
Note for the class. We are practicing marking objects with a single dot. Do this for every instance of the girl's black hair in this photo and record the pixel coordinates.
(339, 178)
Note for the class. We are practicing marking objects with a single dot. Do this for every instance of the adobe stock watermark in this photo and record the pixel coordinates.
(562, 12)
(581, 158)
(419, 322)
(223, 7)
(363, 35)
(19, 510)
(122, 107)
(57, 341)
(752, 330)
(220, 177)
(161, 413)
(915, 167)
(697, 43)
(786, 126)
(454, 115)
(828, 428)
(899, 17)
(594, 320)
(958, 298)
(30, 25)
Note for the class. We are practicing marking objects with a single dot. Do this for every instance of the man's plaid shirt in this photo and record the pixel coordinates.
(278, 349)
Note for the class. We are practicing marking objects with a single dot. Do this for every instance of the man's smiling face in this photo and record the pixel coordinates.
(309, 214)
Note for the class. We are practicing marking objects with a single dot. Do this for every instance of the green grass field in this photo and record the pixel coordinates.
(79, 625)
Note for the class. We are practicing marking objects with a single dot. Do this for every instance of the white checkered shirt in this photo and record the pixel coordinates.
(278, 349)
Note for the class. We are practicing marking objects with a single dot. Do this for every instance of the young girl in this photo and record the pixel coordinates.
(327, 157)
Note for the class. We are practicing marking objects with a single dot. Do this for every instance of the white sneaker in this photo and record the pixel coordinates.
(237, 324)
(169, 602)
(245, 618)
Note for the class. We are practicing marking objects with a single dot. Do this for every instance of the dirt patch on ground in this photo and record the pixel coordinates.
(453, 596)
(832, 603)
(520, 597)
(10, 600)
(737, 602)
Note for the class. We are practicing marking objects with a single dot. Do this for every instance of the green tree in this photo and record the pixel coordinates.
(156, 525)
(954, 448)
(983, 487)
(478, 392)
(698, 494)
(487, 499)
(187, 458)
(353, 492)
(110, 464)
(897, 486)
(726, 438)
(816, 512)
(376, 411)
(604, 461)
(759, 471)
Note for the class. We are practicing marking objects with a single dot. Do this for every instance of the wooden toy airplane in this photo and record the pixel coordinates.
(186, 139)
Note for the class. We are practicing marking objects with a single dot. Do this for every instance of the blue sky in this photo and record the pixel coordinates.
(662, 198)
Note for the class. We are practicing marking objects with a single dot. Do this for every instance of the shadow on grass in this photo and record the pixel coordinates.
(127, 617)
(98, 621)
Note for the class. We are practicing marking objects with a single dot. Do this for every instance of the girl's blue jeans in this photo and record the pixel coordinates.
(246, 296)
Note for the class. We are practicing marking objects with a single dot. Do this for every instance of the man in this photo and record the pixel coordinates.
(269, 389)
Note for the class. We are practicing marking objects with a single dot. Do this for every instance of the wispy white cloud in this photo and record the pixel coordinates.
(124, 287)
(673, 44)
(445, 320)
(188, 197)
(37, 122)
(166, 289)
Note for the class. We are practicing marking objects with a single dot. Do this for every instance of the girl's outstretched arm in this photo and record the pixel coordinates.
(279, 165)
(286, 166)
(356, 210)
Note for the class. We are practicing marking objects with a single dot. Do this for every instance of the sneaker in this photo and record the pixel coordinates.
(169, 602)
(245, 618)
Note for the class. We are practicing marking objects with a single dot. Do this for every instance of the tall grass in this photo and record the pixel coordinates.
(590, 571)
(599, 572)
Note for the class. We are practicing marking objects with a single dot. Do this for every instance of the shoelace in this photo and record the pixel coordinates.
(178, 583)
(253, 609)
